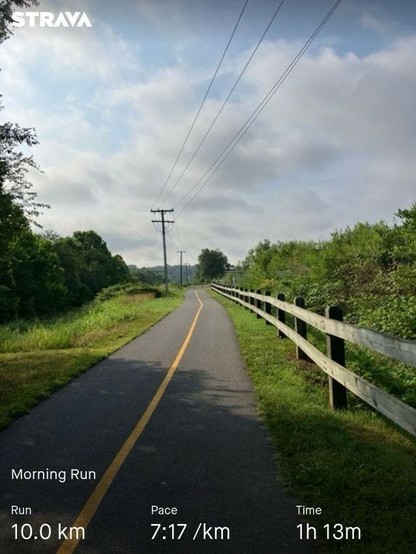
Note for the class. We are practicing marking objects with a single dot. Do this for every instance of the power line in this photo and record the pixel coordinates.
(226, 100)
(179, 236)
(202, 104)
(243, 130)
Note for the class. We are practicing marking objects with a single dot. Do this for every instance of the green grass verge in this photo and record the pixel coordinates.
(38, 357)
(394, 377)
(358, 468)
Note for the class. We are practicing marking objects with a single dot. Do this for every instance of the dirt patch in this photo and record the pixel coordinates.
(142, 297)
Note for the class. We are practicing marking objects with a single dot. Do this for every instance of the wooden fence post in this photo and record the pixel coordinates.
(258, 304)
(281, 315)
(336, 352)
(300, 328)
(267, 307)
(245, 297)
(251, 299)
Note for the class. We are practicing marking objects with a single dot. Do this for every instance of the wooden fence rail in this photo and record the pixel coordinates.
(340, 378)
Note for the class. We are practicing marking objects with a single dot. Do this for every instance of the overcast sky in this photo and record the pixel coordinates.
(112, 105)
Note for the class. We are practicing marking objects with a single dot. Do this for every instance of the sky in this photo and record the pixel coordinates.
(113, 103)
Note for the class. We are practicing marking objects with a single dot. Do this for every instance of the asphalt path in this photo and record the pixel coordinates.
(198, 477)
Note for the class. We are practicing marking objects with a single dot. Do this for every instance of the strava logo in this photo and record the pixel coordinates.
(49, 19)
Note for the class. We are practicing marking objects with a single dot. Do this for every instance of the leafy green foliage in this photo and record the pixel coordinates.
(42, 275)
(38, 278)
(368, 270)
(327, 455)
(212, 264)
(88, 266)
(12, 224)
(7, 7)
(146, 275)
(126, 288)
(14, 165)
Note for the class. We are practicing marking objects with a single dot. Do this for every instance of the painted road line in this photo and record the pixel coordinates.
(91, 506)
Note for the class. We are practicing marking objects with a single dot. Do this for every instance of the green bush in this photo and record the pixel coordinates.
(126, 288)
(368, 270)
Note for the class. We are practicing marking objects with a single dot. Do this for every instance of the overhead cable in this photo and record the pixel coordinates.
(225, 101)
(201, 105)
(243, 130)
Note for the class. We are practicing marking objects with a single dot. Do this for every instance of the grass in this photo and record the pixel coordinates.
(394, 377)
(38, 357)
(354, 465)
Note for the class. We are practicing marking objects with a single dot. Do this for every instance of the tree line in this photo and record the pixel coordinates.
(43, 274)
(40, 274)
(369, 270)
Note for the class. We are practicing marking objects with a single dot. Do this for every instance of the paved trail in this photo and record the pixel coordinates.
(203, 452)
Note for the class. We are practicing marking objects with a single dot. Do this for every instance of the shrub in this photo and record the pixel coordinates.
(126, 288)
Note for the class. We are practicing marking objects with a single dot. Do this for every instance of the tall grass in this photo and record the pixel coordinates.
(74, 329)
(394, 377)
(36, 357)
(359, 469)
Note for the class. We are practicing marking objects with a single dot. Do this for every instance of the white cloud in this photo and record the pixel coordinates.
(334, 146)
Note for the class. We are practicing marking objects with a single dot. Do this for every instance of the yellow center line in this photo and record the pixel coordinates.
(91, 506)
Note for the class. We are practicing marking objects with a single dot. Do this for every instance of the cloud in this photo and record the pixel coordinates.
(334, 146)
(372, 22)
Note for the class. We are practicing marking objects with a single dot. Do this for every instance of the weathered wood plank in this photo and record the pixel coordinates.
(335, 351)
(391, 407)
(403, 350)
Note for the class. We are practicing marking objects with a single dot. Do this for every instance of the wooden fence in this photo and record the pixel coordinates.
(339, 377)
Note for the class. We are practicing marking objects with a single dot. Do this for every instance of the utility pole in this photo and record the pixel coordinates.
(163, 221)
(180, 252)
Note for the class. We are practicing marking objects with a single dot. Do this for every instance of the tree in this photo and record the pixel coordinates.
(38, 277)
(146, 275)
(7, 7)
(88, 266)
(18, 203)
(12, 224)
(119, 272)
(40, 274)
(14, 165)
(212, 264)
(98, 269)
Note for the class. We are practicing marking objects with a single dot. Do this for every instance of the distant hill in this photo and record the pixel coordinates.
(174, 272)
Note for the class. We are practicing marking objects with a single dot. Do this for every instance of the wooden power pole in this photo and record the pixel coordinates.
(163, 221)
(180, 252)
